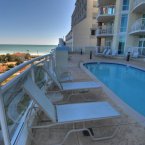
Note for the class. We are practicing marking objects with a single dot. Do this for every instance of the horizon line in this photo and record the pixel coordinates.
(29, 44)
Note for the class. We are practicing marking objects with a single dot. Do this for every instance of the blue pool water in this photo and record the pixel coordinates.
(128, 83)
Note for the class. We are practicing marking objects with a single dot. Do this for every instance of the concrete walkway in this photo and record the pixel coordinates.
(130, 132)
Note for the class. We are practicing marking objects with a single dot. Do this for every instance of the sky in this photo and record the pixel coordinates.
(34, 21)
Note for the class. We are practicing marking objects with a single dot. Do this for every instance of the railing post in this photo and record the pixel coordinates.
(46, 66)
(3, 122)
(32, 72)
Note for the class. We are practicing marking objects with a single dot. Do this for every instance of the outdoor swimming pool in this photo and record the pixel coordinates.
(128, 83)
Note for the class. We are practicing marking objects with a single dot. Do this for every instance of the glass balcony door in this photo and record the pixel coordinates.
(108, 44)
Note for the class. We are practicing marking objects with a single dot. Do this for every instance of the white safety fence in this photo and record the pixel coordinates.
(136, 51)
(138, 2)
(14, 103)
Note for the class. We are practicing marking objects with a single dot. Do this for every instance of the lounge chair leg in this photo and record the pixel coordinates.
(68, 133)
(92, 137)
(102, 138)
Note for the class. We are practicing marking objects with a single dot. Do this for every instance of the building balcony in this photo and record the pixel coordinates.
(106, 2)
(106, 14)
(105, 31)
(138, 28)
(68, 36)
(138, 6)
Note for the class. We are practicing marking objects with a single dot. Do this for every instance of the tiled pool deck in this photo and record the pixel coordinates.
(130, 132)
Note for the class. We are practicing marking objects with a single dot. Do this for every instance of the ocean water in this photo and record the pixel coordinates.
(32, 49)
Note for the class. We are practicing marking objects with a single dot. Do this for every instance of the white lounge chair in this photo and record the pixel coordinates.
(71, 86)
(107, 52)
(65, 76)
(135, 54)
(100, 53)
(70, 113)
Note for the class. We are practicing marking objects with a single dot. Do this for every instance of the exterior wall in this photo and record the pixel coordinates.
(81, 31)
(124, 40)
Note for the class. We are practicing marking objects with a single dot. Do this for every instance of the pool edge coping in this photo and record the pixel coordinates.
(132, 113)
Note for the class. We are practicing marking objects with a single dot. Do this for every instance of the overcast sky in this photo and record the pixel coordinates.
(34, 21)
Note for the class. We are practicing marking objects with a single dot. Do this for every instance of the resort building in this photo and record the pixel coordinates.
(68, 40)
(118, 25)
(83, 33)
(121, 26)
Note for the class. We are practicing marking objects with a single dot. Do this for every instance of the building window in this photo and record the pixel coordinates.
(123, 26)
(93, 32)
(125, 5)
(121, 44)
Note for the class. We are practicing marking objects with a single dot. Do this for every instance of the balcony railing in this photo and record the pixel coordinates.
(137, 3)
(139, 25)
(14, 102)
(105, 31)
(106, 10)
(137, 51)
(68, 38)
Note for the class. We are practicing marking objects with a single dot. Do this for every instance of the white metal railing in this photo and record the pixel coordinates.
(68, 37)
(87, 49)
(107, 10)
(105, 30)
(13, 100)
(138, 51)
(139, 25)
(138, 2)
